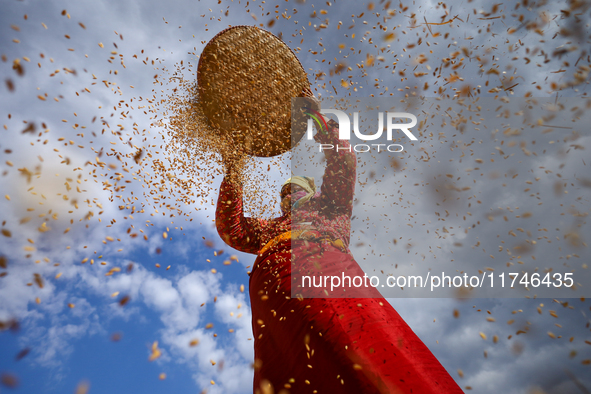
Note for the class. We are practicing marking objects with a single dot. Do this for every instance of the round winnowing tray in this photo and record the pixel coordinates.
(246, 78)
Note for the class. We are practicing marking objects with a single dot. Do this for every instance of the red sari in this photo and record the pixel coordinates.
(323, 345)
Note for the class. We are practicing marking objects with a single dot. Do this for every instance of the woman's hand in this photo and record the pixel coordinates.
(232, 162)
(306, 101)
(313, 103)
(311, 100)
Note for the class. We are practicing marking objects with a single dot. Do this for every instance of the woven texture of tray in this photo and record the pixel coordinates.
(246, 78)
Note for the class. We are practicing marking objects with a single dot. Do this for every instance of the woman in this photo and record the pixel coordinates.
(321, 345)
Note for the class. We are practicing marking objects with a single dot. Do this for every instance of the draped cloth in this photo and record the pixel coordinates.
(322, 345)
(333, 345)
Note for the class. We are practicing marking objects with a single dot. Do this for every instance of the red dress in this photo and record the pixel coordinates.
(323, 345)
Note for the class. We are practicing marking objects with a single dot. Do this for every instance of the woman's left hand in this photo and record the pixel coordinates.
(311, 100)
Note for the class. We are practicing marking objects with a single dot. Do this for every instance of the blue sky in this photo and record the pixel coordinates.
(46, 207)
(92, 355)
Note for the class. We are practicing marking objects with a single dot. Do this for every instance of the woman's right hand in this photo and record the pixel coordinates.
(232, 163)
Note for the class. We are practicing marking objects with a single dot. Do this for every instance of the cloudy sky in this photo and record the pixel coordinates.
(87, 297)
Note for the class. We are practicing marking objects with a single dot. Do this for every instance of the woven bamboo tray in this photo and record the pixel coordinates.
(246, 78)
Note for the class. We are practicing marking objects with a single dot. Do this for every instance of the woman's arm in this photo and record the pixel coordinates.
(239, 232)
(338, 182)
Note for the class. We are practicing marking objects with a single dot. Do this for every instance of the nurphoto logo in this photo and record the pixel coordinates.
(345, 130)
